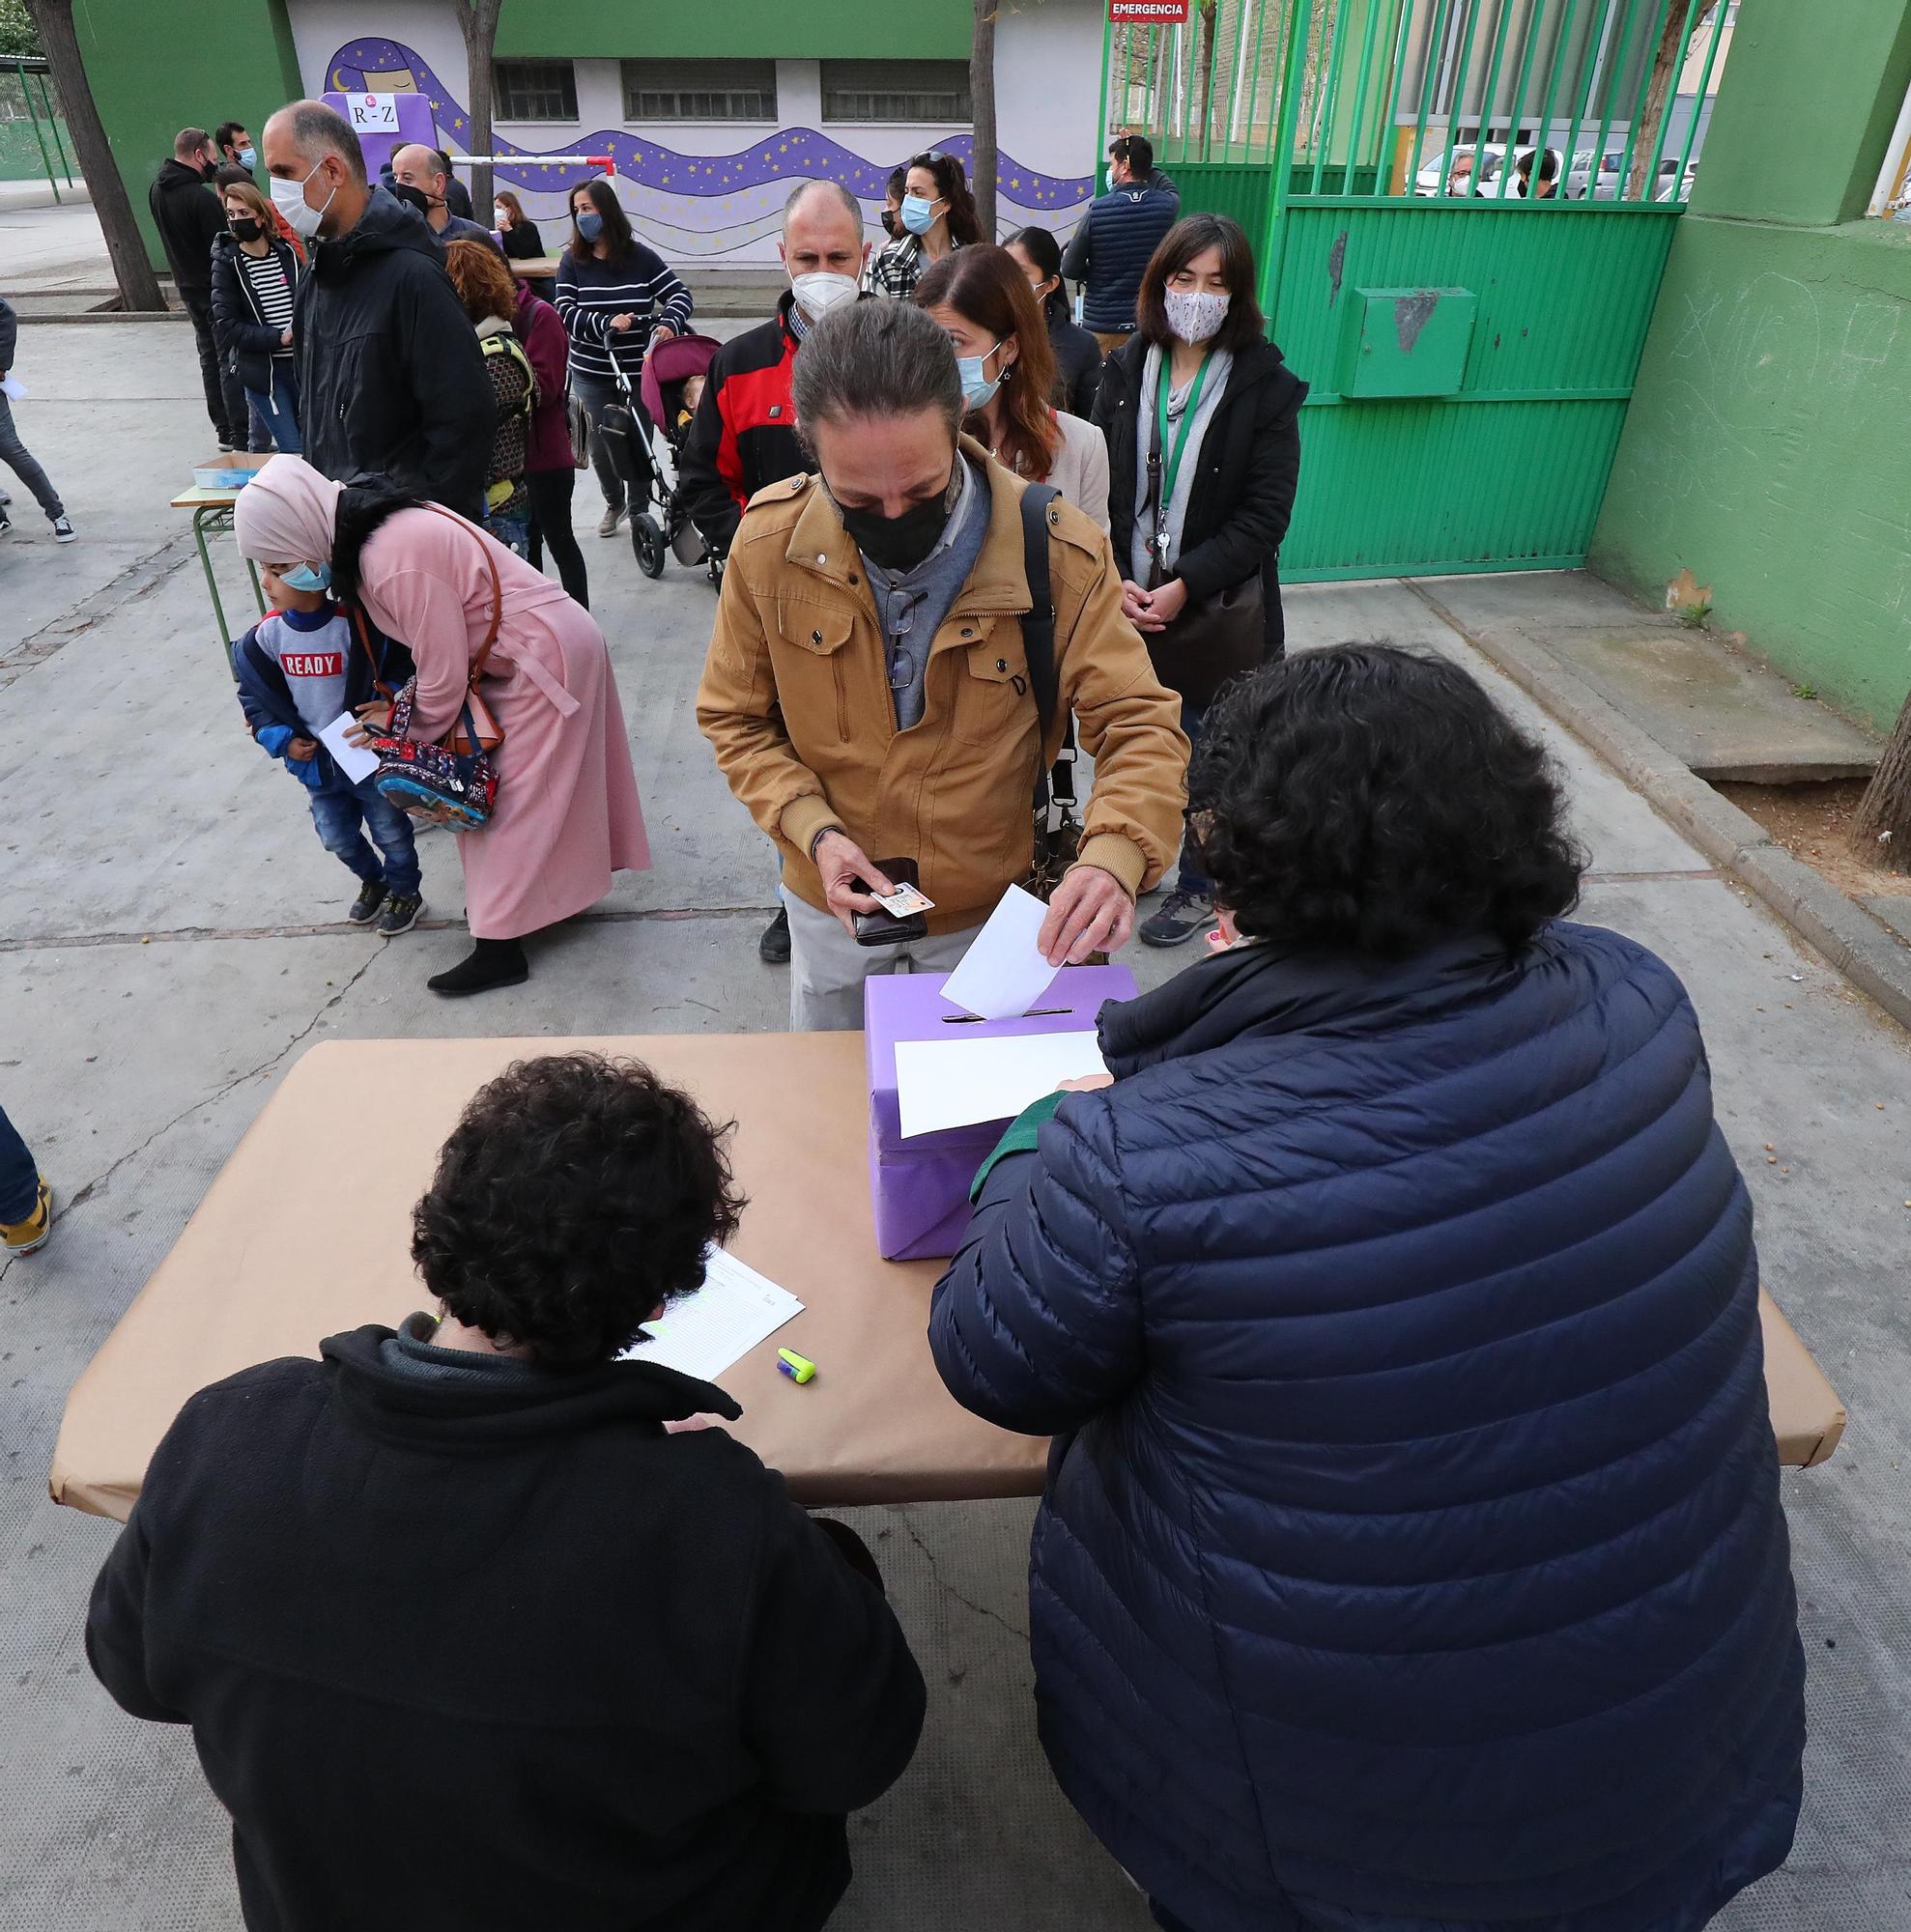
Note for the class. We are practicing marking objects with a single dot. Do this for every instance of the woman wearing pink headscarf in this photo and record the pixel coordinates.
(567, 815)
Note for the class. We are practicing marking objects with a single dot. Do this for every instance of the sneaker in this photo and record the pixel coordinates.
(1182, 916)
(606, 524)
(22, 1237)
(64, 531)
(364, 908)
(6, 525)
(400, 915)
(227, 445)
(773, 949)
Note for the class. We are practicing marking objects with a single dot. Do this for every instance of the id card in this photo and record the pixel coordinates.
(905, 902)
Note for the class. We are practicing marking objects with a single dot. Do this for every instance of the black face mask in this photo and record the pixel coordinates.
(246, 227)
(892, 223)
(898, 544)
(412, 197)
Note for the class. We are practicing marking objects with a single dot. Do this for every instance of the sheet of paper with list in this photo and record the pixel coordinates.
(1002, 973)
(354, 760)
(958, 1083)
(709, 1331)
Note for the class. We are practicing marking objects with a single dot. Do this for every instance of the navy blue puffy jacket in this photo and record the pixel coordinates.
(1417, 1556)
(1111, 249)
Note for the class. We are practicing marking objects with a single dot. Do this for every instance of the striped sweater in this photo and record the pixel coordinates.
(591, 292)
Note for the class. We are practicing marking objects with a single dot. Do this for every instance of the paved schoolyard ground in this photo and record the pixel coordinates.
(171, 939)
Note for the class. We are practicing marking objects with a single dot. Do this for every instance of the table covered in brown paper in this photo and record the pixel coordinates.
(306, 1232)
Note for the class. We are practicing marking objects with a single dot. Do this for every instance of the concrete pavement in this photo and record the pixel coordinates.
(171, 937)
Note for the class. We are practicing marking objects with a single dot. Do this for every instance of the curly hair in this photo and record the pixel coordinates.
(1369, 799)
(575, 1196)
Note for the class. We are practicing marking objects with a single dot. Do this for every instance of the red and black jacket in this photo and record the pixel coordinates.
(743, 436)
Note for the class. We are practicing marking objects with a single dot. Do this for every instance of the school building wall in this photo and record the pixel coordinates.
(699, 193)
(1764, 449)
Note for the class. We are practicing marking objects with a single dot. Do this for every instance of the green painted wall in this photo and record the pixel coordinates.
(1765, 448)
(762, 29)
(148, 81)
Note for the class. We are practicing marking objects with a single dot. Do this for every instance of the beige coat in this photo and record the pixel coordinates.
(796, 703)
(1080, 470)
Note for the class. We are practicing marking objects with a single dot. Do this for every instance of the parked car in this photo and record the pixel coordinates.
(1612, 167)
(1485, 171)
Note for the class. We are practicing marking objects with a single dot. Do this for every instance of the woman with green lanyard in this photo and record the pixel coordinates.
(1204, 451)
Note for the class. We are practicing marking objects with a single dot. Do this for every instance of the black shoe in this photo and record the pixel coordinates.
(1182, 916)
(364, 908)
(773, 949)
(491, 962)
(227, 446)
(400, 915)
(6, 525)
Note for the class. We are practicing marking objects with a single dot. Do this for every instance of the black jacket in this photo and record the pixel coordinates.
(1243, 489)
(188, 215)
(743, 435)
(392, 381)
(239, 326)
(1078, 360)
(498, 1652)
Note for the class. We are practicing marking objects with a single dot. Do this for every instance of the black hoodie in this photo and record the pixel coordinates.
(498, 1652)
(188, 217)
(392, 381)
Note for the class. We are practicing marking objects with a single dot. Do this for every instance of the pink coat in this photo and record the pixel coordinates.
(567, 815)
(549, 348)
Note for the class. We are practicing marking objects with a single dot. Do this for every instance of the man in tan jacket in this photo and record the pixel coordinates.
(868, 690)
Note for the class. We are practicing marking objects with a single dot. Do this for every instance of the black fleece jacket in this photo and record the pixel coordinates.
(472, 1655)
(392, 381)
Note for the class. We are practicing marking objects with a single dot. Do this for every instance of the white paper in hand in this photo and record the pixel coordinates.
(960, 1083)
(1003, 974)
(12, 387)
(354, 760)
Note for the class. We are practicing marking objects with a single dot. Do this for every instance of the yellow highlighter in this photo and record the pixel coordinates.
(798, 1368)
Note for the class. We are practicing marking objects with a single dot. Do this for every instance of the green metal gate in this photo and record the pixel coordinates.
(1471, 345)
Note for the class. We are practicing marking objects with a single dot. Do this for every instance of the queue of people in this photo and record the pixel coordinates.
(1411, 1553)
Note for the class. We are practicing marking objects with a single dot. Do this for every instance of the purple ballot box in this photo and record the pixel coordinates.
(920, 1186)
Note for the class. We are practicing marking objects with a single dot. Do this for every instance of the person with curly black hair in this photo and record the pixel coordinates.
(469, 1630)
(1411, 1554)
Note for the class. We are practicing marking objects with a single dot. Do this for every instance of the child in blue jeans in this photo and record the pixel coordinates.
(298, 670)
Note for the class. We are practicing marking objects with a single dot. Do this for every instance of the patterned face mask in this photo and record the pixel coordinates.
(1194, 315)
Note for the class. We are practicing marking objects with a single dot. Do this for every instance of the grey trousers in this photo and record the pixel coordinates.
(827, 968)
(14, 454)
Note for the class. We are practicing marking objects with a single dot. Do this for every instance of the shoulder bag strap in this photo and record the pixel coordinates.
(1039, 639)
(378, 684)
(497, 593)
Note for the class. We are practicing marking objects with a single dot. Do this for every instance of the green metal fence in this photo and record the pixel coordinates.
(33, 134)
(1471, 327)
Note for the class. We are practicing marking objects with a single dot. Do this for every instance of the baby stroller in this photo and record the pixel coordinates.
(657, 515)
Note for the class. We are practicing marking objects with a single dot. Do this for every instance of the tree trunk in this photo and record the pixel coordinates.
(982, 99)
(477, 22)
(1667, 61)
(132, 269)
(1883, 812)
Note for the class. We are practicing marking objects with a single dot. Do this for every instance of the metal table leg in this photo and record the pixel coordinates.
(215, 520)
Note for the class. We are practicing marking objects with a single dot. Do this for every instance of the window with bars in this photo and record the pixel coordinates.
(932, 92)
(699, 89)
(534, 90)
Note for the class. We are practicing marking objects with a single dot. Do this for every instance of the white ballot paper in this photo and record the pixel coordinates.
(957, 1083)
(1002, 973)
(354, 760)
(708, 1331)
(11, 386)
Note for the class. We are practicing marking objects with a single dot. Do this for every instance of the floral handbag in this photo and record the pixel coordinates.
(455, 780)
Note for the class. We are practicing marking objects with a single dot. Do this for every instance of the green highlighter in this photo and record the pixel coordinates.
(798, 1368)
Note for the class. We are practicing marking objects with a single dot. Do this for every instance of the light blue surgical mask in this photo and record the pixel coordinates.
(249, 157)
(590, 225)
(307, 577)
(918, 214)
(978, 390)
